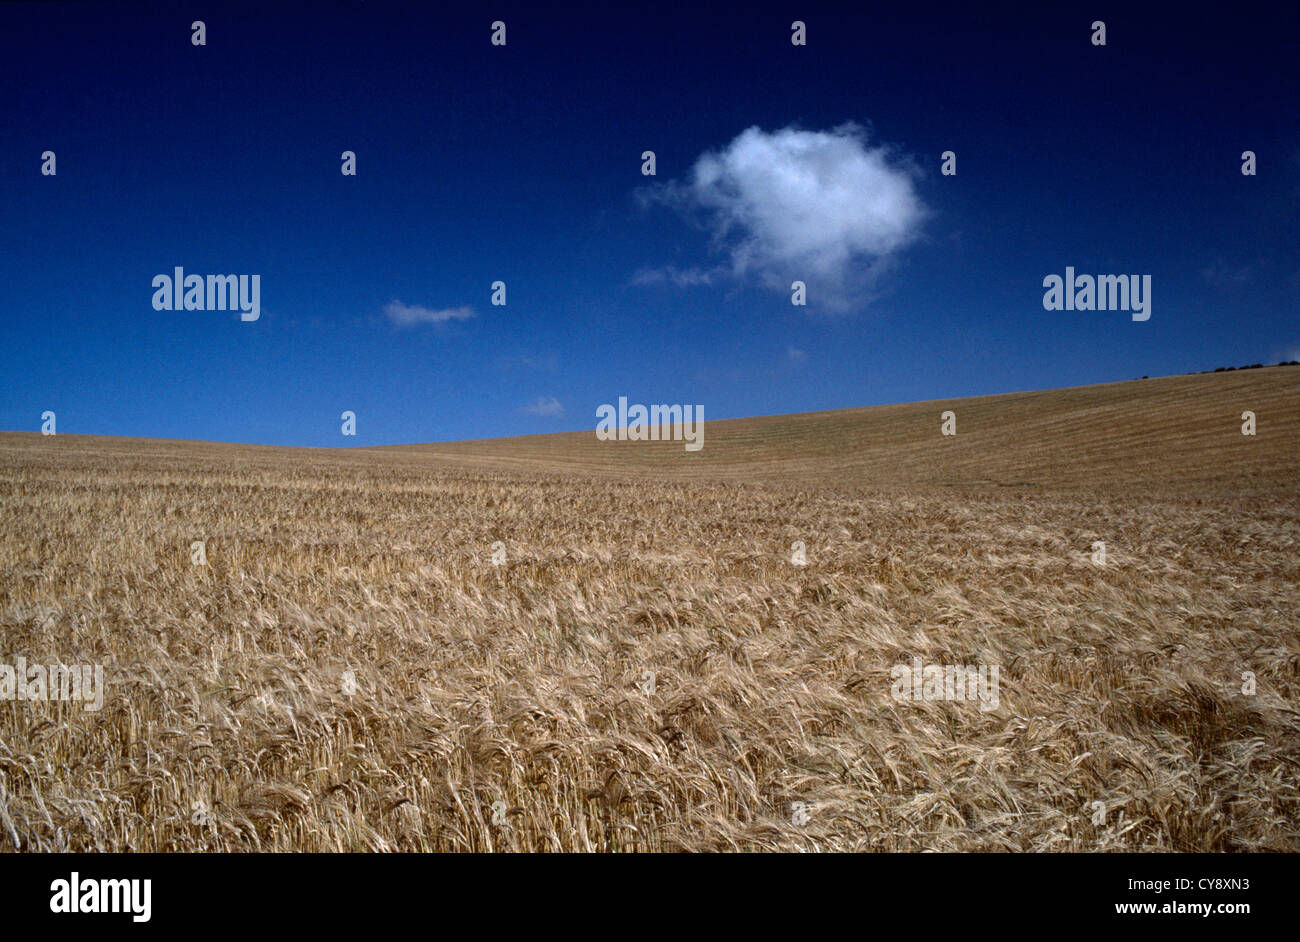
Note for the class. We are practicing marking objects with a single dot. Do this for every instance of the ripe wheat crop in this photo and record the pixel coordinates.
(639, 664)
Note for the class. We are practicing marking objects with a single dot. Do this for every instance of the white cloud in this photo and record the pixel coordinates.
(1218, 274)
(547, 360)
(681, 277)
(405, 315)
(796, 355)
(545, 405)
(823, 207)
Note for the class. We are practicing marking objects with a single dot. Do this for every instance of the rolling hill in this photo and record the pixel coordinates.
(1180, 432)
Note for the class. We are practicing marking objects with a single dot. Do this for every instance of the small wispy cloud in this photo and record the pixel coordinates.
(545, 406)
(681, 277)
(407, 315)
(547, 360)
(796, 356)
(1218, 274)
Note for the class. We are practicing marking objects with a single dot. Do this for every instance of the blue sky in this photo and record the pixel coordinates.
(478, 163)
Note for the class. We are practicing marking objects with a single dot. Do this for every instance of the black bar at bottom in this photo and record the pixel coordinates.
(342, 893)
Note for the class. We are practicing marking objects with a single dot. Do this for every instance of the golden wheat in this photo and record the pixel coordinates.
(648, 669)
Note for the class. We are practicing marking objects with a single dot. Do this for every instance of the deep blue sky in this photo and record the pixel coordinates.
(522, 164)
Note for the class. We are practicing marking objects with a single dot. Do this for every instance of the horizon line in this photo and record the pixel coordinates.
(579, 431)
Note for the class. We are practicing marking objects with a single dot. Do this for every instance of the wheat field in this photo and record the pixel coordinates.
(644, 666)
